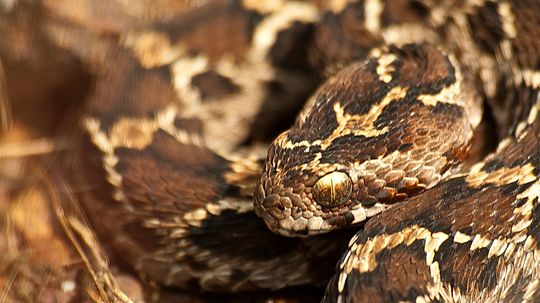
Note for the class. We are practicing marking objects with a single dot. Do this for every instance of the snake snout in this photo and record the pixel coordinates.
(272, 207)
(277, 206)
(285, 213)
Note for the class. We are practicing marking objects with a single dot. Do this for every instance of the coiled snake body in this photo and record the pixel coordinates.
(382, 140)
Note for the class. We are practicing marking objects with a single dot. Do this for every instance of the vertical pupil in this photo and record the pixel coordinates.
(332, 189)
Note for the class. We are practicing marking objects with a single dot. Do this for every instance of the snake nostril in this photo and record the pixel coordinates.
(271, 201)
(279, 206)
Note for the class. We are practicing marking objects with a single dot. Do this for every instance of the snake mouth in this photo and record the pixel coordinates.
(284, 217)
(290, 227)
(281, 216)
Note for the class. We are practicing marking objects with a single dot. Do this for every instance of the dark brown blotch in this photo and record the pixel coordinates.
(128, 89)
(391, 280)
(404, 11)
(190, 125)
(212, 85)
(424, 68)
(526, 44)
(221, 28)
(486, 27)
(342, 38)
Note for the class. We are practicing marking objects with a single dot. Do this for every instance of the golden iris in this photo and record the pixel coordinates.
(332, 189)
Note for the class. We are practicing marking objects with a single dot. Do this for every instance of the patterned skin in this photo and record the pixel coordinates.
(168, 184)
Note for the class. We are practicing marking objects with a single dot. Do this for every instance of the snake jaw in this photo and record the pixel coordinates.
(286, 212)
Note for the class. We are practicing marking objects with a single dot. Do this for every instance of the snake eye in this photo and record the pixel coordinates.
(332, 189)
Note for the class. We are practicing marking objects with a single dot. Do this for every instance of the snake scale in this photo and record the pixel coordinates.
(180, 182)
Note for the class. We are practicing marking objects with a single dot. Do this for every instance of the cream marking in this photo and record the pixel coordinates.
(304, 113)
(439, 14)
(503, 176)
(528, 76)
(362, 125)
(363, 257)
(283, 141)
(402, 34)
(419, 299)
(479, 242)
(522, 224)
(263, 7)
(461, 238)
(530, 193)
(5, 105)
(353, 240)
(497, 248)
(165, 121)
(179, 228)
(152, 48)
(184, 69)
(132, 133)
(239, 206)
(372, 14)
(99, 138)
(241, 169)
(142, 130)
(505, 50)
(449, 95)
(266, 33)
(377, 52)
(385, 67)
(530, 243)
(508, 19)
(289, 226)
(531, 291)
(520, 128)
(195, 217)
(533, 114)
(341, 281)
(337, 6)
(435, 272)
(432, 245)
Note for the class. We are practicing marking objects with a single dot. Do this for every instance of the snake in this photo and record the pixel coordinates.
(192, 171)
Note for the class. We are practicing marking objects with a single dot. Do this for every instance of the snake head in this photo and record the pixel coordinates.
(372, 135)
(297, 195)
